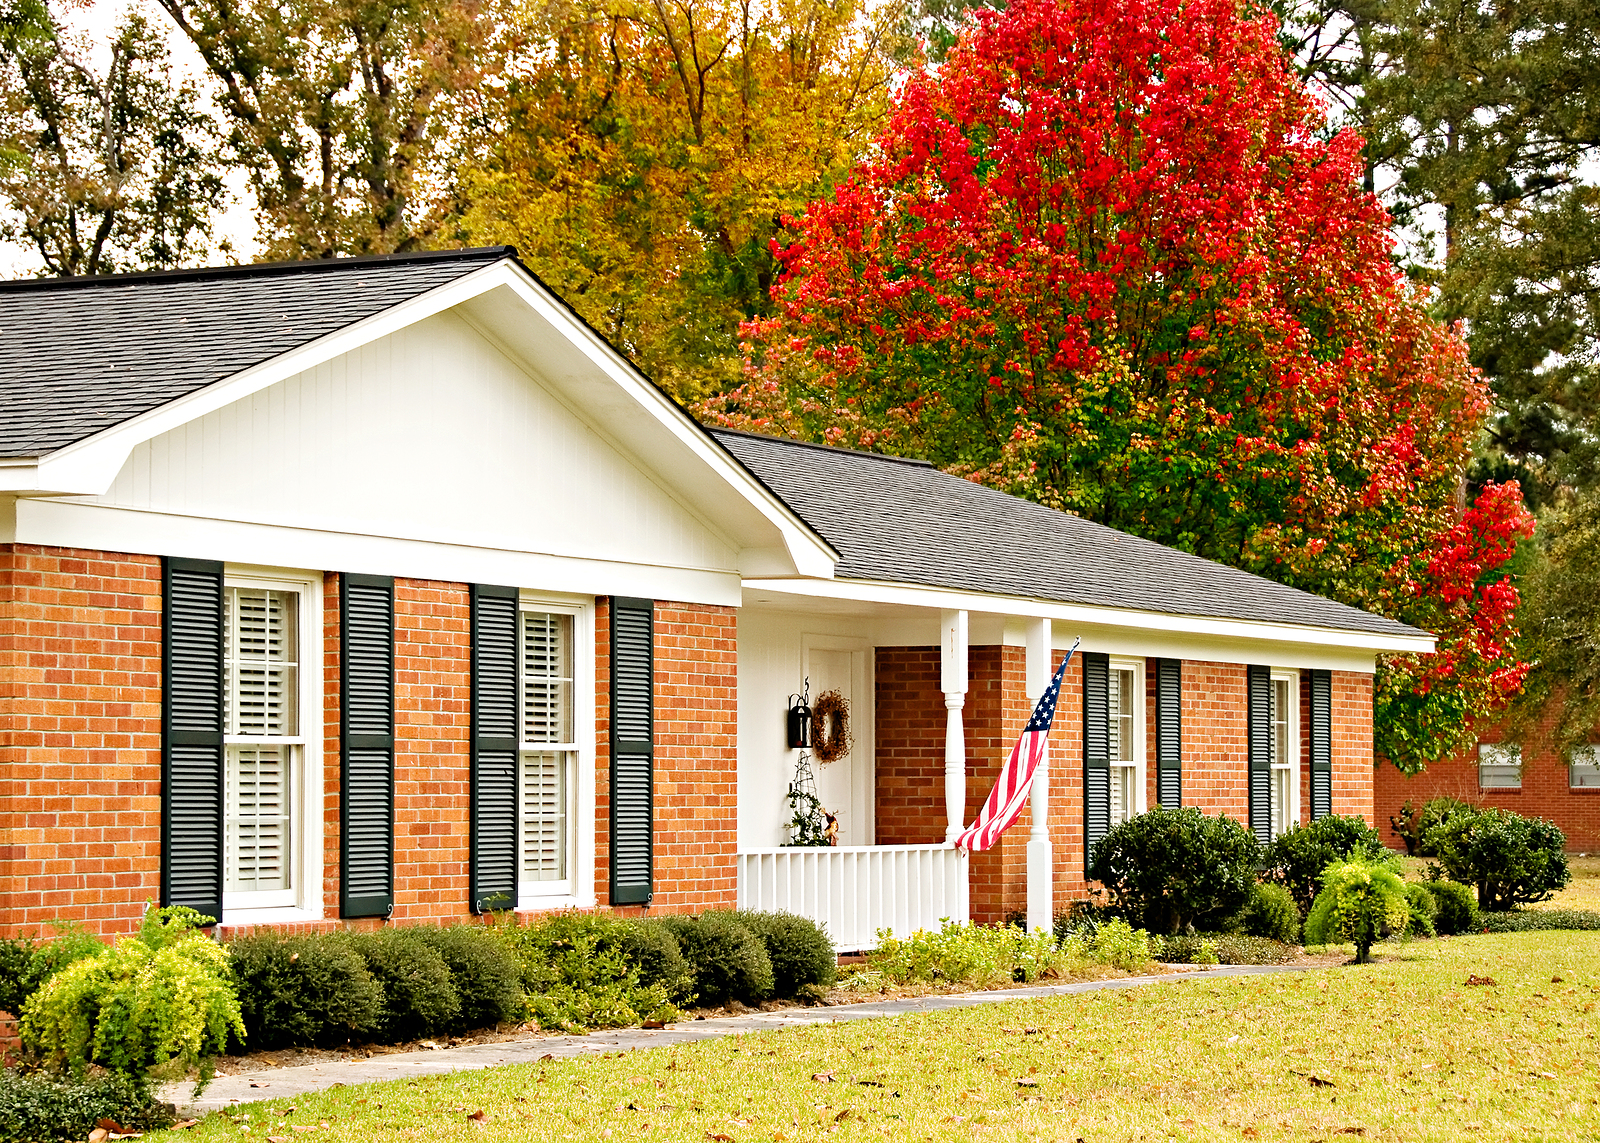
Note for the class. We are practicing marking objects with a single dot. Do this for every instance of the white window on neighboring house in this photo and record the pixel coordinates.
(549, 752)
(1499, 766)
(265, 626)
(1584, 770)
(1285, 746)
(1127, 739)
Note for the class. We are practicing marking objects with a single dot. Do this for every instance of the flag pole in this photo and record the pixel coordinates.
(1040, 851)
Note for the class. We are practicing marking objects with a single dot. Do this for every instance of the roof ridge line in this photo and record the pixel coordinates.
(914, 462)
(254, 269)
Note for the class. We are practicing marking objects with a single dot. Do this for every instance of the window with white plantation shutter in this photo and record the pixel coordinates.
(261, 624)
(548, 752)
(1125, 692)
(1284, 743)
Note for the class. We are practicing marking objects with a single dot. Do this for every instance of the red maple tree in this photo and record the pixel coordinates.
(1110, 257)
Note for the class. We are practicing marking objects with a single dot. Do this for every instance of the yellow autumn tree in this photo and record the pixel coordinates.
(642, 155)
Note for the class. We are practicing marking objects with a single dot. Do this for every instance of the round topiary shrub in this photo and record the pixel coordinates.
(1169, 870)
(652, 949)
(1271, 913)
(1295, 859)
(419, 997)
(1457, 909)
(799, 948)
(298, 991)
(486, 973)
(1512, 860)
(1362, 901)
(729, 961)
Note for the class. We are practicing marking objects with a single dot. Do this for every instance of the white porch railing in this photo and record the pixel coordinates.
(856, 890)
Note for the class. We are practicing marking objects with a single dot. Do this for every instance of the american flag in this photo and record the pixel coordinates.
(1010, 793)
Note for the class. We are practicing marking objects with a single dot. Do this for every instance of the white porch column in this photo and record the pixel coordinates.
(1041, 855)
(953, 681)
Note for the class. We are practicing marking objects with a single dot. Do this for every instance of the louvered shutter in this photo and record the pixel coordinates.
(1258, 682)
(1321, 744)
(1096, 749)
(632, 751)
(192, 783)
(494, 748)
(1169, 733)
(366, 739)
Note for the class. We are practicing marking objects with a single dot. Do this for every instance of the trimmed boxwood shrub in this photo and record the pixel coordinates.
(1424, 907)
(1296, 858)
(729, 961)
(1510, 859)
(1412, 823)
(1457, 909)
(653, 951)
(1169, 870)
(1540, 920)
(419, 998)
(41, 1108)
(1271, 914)
(577, 971)
(296, 991)
(486, 974)
(802, 955)
(1241, 948)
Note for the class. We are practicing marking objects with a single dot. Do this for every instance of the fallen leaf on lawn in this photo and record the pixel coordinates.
(652, 1024)
(1027, 1083)
(477, 1115)
(719, 1137)
(822, 1077)
(1250, 1132)
(113, 1125)
(287, 1110)
(1187, 1123)
(1557, 979)
(1314, 1080)
(1543, 1075)
(546, 1056)
(184, 1125)
(1350, 1131)
(277, 1139)
(1475, 979)
(303, 1126)
(842, 1116)
(98, 1135)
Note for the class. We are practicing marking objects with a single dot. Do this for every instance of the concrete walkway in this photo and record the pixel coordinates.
(275, 1083)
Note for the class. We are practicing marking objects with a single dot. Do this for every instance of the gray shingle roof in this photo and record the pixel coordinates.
(908, 522)
(80, 355)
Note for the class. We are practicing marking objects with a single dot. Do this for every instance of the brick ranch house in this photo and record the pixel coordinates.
(387, 589)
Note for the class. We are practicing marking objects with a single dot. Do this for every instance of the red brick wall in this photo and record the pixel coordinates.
(80, 736)
(908, 747)
(1215, 739)
(996, 710)
(696, 761)
(1352, 745)
(1545, 791)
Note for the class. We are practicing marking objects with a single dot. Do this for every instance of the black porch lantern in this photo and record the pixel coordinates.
(799, 723)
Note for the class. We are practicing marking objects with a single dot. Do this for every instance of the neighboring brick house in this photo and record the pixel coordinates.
(385, 589)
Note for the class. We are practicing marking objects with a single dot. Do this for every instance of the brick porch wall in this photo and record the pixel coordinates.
(1545, 791)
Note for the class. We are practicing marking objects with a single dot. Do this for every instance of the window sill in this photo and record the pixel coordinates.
(531, 905)
(1499, 789)
(270, 915)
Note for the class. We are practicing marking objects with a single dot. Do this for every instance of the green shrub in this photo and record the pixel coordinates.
(1296, 858)
(1182, 948)
(1169, 870)
(25, 964)
(1456, 908)
(577, 973)
(1424, 907)
(135, 1006)
(419, 998)
(1362, 900)
(982, 955)
(1512, 860)
(729, 961)
(41, 1108)
(485, 972)
(1120, 945)
(300, 990)
(1271, 913)
(1239, 948)
(1083, 919)
(651, 949)
(799, 949)
(1412, 823)
(1537, 920)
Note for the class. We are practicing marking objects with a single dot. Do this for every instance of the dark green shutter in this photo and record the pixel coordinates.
(192, 777)
(494, 748)
(1259, 713)
(1096, 750)
(632, 751)
(366, 746)
(1321, 744)
(1169, 733)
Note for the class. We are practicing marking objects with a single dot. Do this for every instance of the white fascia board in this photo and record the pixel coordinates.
(911, 595)
(88, 467)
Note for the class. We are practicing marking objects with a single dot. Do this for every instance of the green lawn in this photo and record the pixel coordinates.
(1399, 1050)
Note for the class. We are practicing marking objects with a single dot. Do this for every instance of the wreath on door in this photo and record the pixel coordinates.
(830, 733)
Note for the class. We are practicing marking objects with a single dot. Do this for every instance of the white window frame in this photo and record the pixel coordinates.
(1293, 765)
(1585, 763)
(578, 889)
(1141, 731)
(1498, 759)
(303, 900)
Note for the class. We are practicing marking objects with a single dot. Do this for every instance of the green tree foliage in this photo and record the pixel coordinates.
(102, 171)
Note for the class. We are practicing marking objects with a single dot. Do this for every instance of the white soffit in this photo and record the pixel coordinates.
(550, 342)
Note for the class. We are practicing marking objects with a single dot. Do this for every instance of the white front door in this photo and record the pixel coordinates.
(844, 785)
